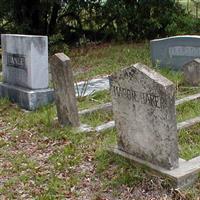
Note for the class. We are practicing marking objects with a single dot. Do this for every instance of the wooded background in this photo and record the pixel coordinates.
(82, 21)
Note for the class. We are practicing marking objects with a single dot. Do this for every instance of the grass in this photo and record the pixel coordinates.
(108, 58)
(97, 118)
(94, 99)
(189, 141)
(41, 160)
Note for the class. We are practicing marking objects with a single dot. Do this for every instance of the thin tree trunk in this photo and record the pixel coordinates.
(53, 20)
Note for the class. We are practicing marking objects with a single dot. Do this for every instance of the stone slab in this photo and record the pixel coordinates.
(106, 126)
(187, 99)
(94, 85)
(183, 176)
(175, 51)
(144, 112)
(102, 107)
(64, 92)
(188, 123)
(25, 60)
(25, 98)
(191, 72)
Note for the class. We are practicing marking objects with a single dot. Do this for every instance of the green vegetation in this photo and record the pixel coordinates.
(106, 59)
(42, 160)
(192, 6)
(80, 22)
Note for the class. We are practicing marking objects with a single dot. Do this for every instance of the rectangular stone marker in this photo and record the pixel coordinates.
(25, 60)
(191, 72)
(65, 97)
(144, 112)
(175, 51)
(25, 70)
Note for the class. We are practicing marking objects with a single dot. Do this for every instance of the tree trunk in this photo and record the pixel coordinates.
(53, 20)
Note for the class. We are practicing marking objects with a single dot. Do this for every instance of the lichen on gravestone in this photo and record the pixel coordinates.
(144, 112)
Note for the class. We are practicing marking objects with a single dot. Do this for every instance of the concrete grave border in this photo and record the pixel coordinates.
(185, 174)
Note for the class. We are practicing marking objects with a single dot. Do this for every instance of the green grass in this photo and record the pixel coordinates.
(188, 110)
(189, 141)
(97, 118)
(94, 99)
(108, 58)
(41, 160)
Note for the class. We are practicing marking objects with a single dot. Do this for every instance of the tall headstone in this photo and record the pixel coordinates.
(65, 96)
(145, 117)
(175, 51)
(25, 70)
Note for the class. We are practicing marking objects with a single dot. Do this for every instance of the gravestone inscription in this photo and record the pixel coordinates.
(144, 113)
(25, 60)
(16, 60)
(175, 51)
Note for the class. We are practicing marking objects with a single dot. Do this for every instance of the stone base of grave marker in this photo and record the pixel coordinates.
(183, 176)
(26, 98)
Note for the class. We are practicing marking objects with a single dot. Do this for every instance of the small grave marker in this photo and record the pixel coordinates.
(65, 97)
(191, 72)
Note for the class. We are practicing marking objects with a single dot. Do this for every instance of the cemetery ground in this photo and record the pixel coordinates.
(40, 159)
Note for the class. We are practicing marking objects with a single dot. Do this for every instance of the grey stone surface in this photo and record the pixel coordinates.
(94, 85)
(64, 91)
(144, 113)
(25, 60)
(106, 126)
(191, 72)
(101, 107)
(188, 98)
(84, 128)
(188, 123)
(25, 98)
(175, 51)
(183, 176)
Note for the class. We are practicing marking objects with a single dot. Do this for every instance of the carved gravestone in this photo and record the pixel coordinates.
(25, 70)
(25, 60)
(65, 97)
(144, 113)
(191, 72)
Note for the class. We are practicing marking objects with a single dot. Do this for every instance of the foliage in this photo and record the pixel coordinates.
(81, 21)
(42, 160)
(57, 44)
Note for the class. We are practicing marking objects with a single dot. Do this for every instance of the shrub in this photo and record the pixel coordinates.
(57, 44)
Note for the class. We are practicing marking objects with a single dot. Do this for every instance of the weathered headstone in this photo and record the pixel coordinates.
(191, 72)
(25, 70)
(144, 113)
(175, 51)
(65, 97)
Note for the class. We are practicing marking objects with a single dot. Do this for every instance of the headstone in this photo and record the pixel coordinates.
(144, 113)
(25, 61)
(25, 70)
(191, 72)
(65, 97)
(174, 52)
